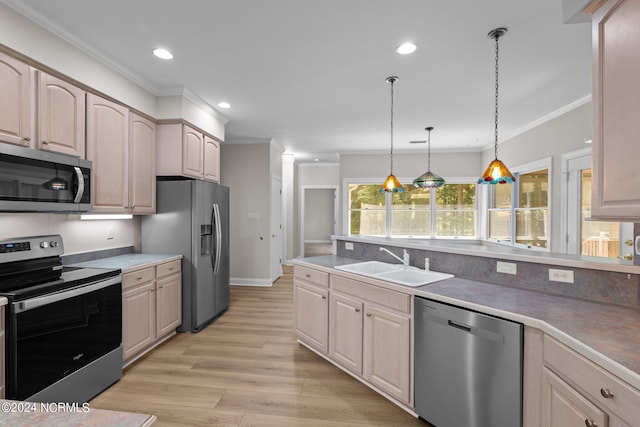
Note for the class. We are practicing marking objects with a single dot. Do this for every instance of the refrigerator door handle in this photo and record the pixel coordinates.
(212, 252)
(218, 228)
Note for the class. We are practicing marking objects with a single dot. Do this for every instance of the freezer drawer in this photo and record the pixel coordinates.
(468, 367)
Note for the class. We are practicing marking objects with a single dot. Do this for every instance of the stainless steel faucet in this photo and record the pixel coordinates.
(405, 256)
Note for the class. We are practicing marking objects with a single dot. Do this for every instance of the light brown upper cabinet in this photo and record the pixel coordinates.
(616, 106)
(108, 149)
(15, 101)
(185, 151)
(121, 145)
(142, 165)
(61, 116)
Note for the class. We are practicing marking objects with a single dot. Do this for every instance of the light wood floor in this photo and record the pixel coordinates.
(246, 369)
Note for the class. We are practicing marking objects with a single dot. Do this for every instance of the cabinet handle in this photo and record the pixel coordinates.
(170, 268)
(590, 423)
(45, 142)
(138, 278)
(368, 314)
(26, 138)
(324, 297)
(606, 393)
(308, 276)
(357, 310)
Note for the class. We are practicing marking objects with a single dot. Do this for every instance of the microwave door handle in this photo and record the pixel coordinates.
(80, 191)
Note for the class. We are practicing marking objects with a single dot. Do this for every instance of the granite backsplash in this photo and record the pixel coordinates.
(595, 285)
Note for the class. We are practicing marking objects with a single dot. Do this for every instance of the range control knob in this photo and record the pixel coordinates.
(54, 244)
(44, 245)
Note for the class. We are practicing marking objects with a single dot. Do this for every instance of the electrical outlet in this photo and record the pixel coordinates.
(506, 267)
(556, 275)
(348, 246)
(110, 233)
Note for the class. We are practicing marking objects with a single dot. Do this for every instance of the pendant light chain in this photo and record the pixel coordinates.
(429, 150)
(497, 36)
(392, 81)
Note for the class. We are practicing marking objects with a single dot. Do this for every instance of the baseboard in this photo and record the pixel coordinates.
(240, 281)
(318, 241)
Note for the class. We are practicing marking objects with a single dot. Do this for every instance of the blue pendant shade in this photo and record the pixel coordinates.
(496, 172)
(428, 179)
(391, 184)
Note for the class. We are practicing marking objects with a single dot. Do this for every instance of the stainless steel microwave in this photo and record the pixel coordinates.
(43, 181)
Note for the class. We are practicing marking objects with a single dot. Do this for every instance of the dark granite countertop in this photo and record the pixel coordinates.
(606, 334)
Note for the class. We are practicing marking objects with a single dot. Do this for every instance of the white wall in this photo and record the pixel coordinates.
(318, 214)
(245, 169)
(78, 236)
(553, 138)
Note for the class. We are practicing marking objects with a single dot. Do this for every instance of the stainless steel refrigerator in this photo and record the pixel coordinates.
(192, 219)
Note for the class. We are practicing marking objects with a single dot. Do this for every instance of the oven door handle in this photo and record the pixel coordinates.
(30, 304)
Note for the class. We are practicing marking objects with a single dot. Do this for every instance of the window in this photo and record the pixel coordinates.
(518, 213)
(412, 213)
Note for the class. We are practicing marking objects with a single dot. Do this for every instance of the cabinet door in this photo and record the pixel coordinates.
(142, 165)
(169, 304)
(108, 149)
(138, 318)
(61, 116)
(312, 315)
(345, 332)
(192, 152)
(2, 337)
(15, 101)
(211, 159)
(387, 351)
(616, 102)
(564, 406)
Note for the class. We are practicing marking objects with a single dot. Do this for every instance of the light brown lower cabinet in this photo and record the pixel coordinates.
(576, 392)
(361, 327)
(151, 307)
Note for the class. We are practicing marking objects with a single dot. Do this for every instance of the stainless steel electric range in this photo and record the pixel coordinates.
(63, 324)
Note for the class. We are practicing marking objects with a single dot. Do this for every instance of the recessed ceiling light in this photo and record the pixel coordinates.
(224, 105)
(162, 53)
(406, 48)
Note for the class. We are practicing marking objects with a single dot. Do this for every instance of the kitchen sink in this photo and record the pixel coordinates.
(408, 276)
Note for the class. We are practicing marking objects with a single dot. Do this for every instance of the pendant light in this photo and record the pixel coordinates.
(497, 172)
(391, 184)
(428, 179)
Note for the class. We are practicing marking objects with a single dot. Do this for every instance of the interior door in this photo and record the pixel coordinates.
(276, 228)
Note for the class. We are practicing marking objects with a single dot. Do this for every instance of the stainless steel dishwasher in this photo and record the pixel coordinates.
(468, 367)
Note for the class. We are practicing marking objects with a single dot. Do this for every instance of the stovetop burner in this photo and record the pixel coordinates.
(32, 266)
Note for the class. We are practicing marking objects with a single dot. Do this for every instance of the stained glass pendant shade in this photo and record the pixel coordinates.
(428, 179)
(497, 172)
(391, 184)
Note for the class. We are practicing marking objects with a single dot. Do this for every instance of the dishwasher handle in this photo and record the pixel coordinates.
(460, 326)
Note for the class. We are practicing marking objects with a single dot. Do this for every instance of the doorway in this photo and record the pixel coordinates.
(317, 220)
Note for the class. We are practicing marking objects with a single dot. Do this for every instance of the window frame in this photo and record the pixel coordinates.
(432, 209)
(544, 163)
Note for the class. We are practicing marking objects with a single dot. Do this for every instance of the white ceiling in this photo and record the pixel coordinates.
(310, 74)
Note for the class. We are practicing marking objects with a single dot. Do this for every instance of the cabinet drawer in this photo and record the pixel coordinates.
(167, 268)
(593, 380)
(376, 294)
(317, 277)
(137, 277)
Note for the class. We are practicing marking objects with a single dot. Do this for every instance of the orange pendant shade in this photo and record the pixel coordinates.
(391, 185)
(496, 173)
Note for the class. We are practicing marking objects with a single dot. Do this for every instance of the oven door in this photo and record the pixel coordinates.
(52, 336)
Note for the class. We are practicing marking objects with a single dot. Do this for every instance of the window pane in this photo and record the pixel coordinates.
(533, 189)
(365, 196)
(500, 223)
(456, 196)
(410, 212)
(367, 214)
(411, 198)
(452, 223)
(502, 196)
(415, 222)
(531, 227)
(597, 238)
(368, 222)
